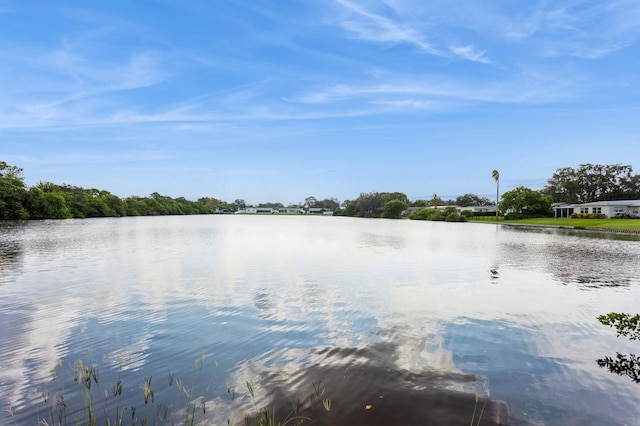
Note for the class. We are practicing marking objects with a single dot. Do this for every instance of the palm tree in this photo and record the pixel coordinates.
(496, 176)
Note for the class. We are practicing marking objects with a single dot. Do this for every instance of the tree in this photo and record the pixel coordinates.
(420, 203)
(394, 208)
(525, 200)
(496, 177)
(12, 193)
(349, 208)
(627, 326)
(436, 201)
(310, 202)
(372, 204)
(46, 205)
(471, 200)
(208, 204)
(328, 203)
(136, 206)
(593, 182)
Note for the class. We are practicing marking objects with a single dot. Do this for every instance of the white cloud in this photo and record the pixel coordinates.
(526, 88)
(469, 53)
(581, 28)
(370, 26)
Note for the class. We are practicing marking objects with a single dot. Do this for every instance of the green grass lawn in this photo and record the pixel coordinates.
(627, 224)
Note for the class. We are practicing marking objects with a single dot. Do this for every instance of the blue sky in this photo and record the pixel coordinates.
(280, 100)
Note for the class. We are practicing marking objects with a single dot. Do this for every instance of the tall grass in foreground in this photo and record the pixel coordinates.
(89, 402)
(487, 395)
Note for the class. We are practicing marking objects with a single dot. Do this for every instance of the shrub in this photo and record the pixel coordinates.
(455, 217)
(625, 216)
(426, 214)
(588, 216)
(394, 208)
(466, 213)
(597, 216)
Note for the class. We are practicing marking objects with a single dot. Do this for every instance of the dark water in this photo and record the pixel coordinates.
(396, 322)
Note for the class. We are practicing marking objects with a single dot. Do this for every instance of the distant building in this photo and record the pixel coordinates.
(491, 208)
(256, 210)
(562, 209)
(607, 208)
(291, 210)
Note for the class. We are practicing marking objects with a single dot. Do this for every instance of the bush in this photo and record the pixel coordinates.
(394, 208)
(588, 216)
(466, 213)
(455, 217)
(426, 214)
(625, 216)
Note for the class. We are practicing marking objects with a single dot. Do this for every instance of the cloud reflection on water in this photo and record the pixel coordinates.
(157, 289)
(368, 386)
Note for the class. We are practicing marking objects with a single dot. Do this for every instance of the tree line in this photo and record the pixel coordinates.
(585, 184)
(46, 200)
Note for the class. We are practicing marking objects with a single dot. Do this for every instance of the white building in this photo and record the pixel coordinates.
(608, 208)
(481, 209)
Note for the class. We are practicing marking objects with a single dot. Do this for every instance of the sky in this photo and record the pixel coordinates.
(276, 101)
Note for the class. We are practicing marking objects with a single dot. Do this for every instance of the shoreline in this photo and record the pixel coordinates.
(567, 227)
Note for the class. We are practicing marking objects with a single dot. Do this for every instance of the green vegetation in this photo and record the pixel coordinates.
(628, 326)
(12, 193)
(471, 200)
(455, 217)
(87, 401)
(447, 214)
(485, 218)
(587, 183)
(593, 182)
(523, 203)
(371, 204)
(328, 203)
(48, 200)
(394, 208)
(496, 177)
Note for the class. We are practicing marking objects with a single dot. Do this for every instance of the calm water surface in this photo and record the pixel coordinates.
(411, 318)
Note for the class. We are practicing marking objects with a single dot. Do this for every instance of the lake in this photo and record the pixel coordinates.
(399, 322)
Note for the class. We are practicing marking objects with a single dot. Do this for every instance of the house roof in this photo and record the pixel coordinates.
(633, 203)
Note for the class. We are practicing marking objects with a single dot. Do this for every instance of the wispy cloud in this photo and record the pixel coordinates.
(72, 81)
(387, 94)
(396, 28)
(470, 53)
(529, 89)
(581, 28)
(74, 84)
(566, 28)
(370, 26)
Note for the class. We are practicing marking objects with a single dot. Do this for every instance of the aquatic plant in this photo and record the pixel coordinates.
(87, 403)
